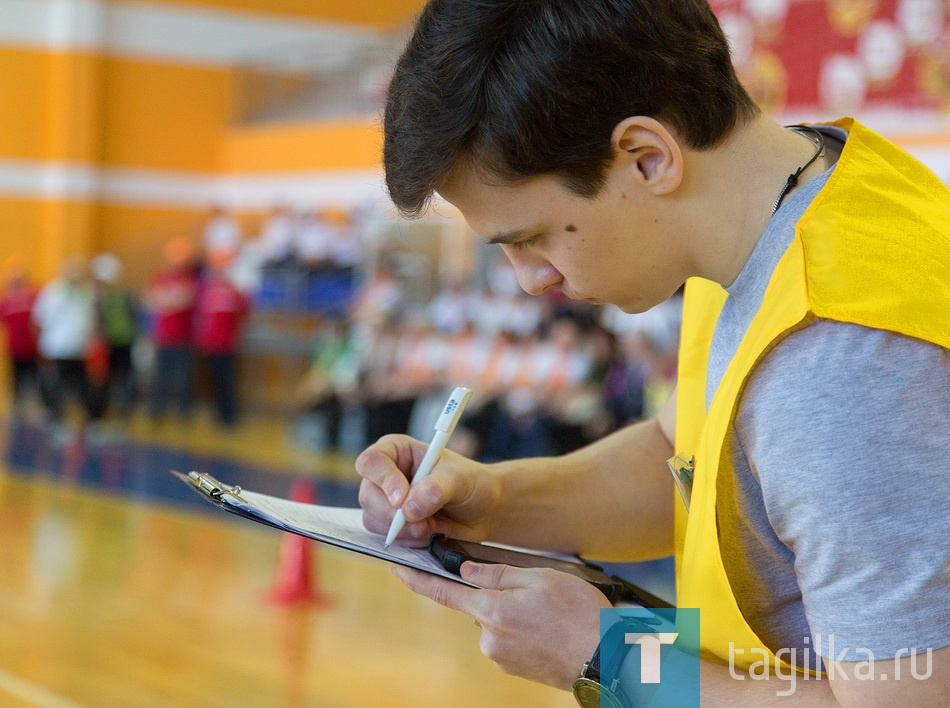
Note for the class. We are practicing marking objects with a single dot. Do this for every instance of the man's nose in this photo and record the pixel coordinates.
(535, 274)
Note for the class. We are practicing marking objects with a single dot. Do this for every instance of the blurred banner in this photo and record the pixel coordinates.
(841, 57)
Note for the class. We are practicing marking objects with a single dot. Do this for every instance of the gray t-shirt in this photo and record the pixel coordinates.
(837, 523)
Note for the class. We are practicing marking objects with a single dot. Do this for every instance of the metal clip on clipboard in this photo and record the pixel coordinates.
(207, 485)
(225, 497)
(229, 498)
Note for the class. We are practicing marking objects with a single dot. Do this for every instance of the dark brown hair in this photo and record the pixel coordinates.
(520, 88)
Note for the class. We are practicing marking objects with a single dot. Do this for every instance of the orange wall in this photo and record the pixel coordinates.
(381, 13)
(44, 232)
(23, 103)
(74, 107)
(151, 123)
(50, 105)
(93, 111)
(22, 220)
(137, 234)
(165, 116)
(69, 229)
(355, 144)
(49, 111)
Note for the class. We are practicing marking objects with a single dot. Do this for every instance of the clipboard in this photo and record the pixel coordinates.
(335, 526)
(343, 528)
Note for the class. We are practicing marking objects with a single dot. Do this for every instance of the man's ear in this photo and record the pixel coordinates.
(648, 147)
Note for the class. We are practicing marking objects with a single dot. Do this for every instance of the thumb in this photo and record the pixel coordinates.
(495, 576)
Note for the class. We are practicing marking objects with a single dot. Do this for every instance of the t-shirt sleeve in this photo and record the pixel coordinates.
(847, 429)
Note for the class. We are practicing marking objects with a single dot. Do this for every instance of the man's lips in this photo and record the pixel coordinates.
(575, 296)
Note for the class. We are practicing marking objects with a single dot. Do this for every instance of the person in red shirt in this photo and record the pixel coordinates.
(171, 299)
(220, 315)
(16, 313)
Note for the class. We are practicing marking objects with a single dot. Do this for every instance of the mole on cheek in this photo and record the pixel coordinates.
(571, 228)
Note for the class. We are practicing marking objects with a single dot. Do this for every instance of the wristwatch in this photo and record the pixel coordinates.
(599, 686)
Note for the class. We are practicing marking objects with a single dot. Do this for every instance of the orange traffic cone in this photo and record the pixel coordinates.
(295, 583)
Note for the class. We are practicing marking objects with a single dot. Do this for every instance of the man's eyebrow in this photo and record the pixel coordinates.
(507, 237)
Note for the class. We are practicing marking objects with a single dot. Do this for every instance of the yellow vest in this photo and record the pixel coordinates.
(873, 248)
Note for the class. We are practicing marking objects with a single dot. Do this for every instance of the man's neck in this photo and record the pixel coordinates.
(736, 186)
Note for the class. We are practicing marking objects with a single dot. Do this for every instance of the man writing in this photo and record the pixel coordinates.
(610, 150)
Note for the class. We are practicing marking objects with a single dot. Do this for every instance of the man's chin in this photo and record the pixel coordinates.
(636, 308)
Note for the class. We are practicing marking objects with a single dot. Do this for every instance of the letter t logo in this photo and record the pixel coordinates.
(650, 652)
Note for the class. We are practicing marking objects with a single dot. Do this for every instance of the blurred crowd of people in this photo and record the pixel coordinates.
(549, 374)
(71, 337)
(197, 311)
(75, 337)
(316, 244)
(86, 336)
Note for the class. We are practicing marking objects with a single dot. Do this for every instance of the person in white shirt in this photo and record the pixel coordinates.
(278, 236)
(65, 317)
(222, 232)
(313, 241)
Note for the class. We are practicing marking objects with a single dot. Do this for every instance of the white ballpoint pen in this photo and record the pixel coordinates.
(444, 426)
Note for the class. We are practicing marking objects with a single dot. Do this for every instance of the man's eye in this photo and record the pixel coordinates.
(523, 244)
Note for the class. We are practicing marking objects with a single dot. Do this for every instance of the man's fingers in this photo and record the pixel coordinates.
(387, 467)
(446, 592)
(377, 511)
(377, 465)
(424, 500)
(378, 516)
(495, 576)
(443, 486)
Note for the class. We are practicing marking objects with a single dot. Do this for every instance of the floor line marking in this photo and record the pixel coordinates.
(21, 688)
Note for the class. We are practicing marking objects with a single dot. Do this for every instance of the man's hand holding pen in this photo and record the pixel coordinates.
(457, 498)
(528, 617)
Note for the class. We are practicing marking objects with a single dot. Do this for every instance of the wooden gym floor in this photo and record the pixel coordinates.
(117, 588)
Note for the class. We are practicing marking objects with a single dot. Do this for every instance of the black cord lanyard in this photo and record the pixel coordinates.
(792, 181)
